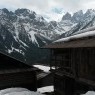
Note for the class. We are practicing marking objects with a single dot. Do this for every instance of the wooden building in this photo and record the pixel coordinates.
(44, 79)
(14, 73)
(74, 60)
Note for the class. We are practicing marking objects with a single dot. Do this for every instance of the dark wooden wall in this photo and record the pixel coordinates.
(63, 85)
(81, 61)
(25, 79)
(14, 73)
(46, 81)
(78, 64)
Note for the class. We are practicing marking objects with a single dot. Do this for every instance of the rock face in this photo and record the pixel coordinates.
(77, 16)
(67, 16)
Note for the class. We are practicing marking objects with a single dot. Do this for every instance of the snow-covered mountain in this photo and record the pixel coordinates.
(23, 31)
(80, 21)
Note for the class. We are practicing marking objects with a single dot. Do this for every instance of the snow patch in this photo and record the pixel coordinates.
(17, 50)
(44, 68)
(23, 43)
(46, 89)
(10, 51)
(27, 26)
(33, 38)
(59, 32)
(40, 18)
(89, 93)
(23, 17)
(45, 36)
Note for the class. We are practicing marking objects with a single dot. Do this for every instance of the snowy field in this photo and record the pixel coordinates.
(18, 91)
(24, 91)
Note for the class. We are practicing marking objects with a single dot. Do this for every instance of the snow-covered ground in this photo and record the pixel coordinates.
(18, 91)
(24, 91)
(44, 68)
(89, 93)
(46, 89)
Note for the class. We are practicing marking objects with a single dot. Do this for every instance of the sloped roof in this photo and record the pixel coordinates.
(84, 38)
(8, 62)
(73, 44)
(78, 36)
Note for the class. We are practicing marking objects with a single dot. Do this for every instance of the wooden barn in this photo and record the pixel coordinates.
(14, 73)
(74, 60)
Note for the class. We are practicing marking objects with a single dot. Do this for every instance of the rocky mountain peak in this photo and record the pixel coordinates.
(24, 12)
(67, 16)
(89, 15)
(54, 23)
(89, 12)
(77, 16)
(5, 10)
(21, 11)
(80, 12)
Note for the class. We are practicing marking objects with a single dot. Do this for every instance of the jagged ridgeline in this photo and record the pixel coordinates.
(23, 31)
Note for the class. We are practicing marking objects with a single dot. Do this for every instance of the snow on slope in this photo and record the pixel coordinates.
(32, 34)
(85, 30)
(67, 24)
(46, 37)
(18, 91)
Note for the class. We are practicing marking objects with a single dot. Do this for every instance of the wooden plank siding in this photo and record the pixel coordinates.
(81, 61)
(14, 73)
(74, 60)
(25, 79)
(77, 64)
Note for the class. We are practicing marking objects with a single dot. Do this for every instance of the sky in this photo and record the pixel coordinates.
(50, 9)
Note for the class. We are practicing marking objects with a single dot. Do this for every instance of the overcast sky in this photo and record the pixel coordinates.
(54, 8)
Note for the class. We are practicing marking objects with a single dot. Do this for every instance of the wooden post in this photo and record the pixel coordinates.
(50, 59)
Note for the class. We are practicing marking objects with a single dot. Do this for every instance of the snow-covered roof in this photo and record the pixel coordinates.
(75, 41)
(82, 35)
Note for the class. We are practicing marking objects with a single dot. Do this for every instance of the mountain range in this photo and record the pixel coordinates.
(22, 32)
